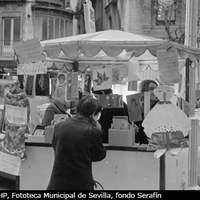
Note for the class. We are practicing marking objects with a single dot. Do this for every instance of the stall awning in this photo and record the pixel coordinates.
(112, 43)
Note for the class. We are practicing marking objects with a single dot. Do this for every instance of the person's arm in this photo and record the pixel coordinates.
(98, 150)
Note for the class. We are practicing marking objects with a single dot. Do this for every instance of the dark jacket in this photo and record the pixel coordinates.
(50, 111)
(76, 144)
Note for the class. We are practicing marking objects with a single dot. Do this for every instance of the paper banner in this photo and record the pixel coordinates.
(133, 69)
(168, 66)
(102, 79)
(33, 68)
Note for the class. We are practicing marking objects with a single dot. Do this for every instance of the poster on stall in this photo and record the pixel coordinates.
(61, 88)
(134, 107)
(87, 82)
(116, 76)
(42, 85)
(69, 87)
(168, 66)
(29, 85)
(53, 83)
(102, 79)
(74, 87)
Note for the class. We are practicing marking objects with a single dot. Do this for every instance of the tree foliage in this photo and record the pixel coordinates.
(165, 9)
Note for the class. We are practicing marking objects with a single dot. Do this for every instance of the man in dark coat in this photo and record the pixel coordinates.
(76, 144)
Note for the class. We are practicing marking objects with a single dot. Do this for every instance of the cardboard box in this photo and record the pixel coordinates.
(35, 139)
(118, 137)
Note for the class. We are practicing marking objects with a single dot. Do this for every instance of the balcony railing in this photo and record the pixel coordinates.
(56, 2)
(7, 51)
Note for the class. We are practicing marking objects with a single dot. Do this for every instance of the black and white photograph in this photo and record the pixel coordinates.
(82, 64)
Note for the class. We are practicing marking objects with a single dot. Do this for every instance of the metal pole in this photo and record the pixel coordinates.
(190, 40)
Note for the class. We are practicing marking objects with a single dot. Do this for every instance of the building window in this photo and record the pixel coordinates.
(165, 10)
(44, 28)
(110, 22)
(55, 28)
(11, 30)
(67, 4)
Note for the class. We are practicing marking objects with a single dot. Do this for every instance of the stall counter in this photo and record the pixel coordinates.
(124, 168)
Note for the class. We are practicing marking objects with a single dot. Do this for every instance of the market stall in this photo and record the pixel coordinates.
(106, 49)
(101, 51)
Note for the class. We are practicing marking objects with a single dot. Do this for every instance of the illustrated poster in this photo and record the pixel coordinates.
(29, 85)
(134, 107)
(116, 76)
(61, 88)
(102, 79)
(42, 85)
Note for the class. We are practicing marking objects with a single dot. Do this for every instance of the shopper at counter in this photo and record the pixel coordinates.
(76, 144)
(57, 106)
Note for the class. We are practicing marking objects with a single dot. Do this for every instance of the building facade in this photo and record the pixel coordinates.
(26, 19)
(138, 16)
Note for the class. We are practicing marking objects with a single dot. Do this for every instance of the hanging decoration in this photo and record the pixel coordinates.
(166, 124)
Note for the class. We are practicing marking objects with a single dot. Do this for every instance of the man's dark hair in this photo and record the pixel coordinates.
(87, 106)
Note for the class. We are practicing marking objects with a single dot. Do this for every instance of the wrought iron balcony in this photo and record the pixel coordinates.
(55, 2)
(6, 50)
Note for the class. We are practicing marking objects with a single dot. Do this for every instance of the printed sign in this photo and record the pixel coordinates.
(32, 68)
(9, 164)
(29, 51)
(168, 66)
